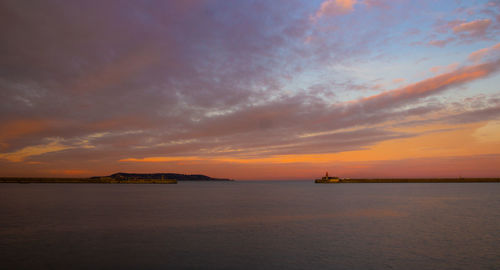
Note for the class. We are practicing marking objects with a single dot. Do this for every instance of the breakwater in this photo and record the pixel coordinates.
(421, 180)
(23, 180)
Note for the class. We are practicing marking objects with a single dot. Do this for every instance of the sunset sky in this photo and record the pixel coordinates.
(250, 89)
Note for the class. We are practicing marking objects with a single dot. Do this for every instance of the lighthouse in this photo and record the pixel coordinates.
(327, 179)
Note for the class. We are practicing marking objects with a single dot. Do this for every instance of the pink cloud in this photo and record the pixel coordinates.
(474, 28)
(461, 31)
(335, 7)
(442, 69)
(480, 54)
(440, 43)
(429, 86)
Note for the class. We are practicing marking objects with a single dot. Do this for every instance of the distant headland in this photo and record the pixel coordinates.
(119, 178)
(156, 176)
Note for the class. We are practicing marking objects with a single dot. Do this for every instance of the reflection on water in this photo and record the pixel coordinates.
(245, 225)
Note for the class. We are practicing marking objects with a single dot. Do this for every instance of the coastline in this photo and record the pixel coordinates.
(104, 180)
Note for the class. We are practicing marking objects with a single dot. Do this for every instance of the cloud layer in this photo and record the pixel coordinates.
(213, 83)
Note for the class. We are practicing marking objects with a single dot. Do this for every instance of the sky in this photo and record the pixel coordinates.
(250, 90)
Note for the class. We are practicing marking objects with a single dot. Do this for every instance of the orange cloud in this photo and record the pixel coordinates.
(335, 7)
(160, 159)
(279, 159)
(17, 156)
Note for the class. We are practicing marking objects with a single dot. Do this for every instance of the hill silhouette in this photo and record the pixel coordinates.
(179, 177)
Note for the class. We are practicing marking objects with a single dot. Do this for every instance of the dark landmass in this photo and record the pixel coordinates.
(419, 180)
(179, 177)
(117, 178)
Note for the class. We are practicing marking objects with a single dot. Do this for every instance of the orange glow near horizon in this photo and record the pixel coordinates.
(432, 145)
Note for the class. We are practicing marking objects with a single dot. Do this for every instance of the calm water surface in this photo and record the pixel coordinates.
(250, 225)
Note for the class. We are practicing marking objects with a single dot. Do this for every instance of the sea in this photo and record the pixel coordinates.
(250, 225)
